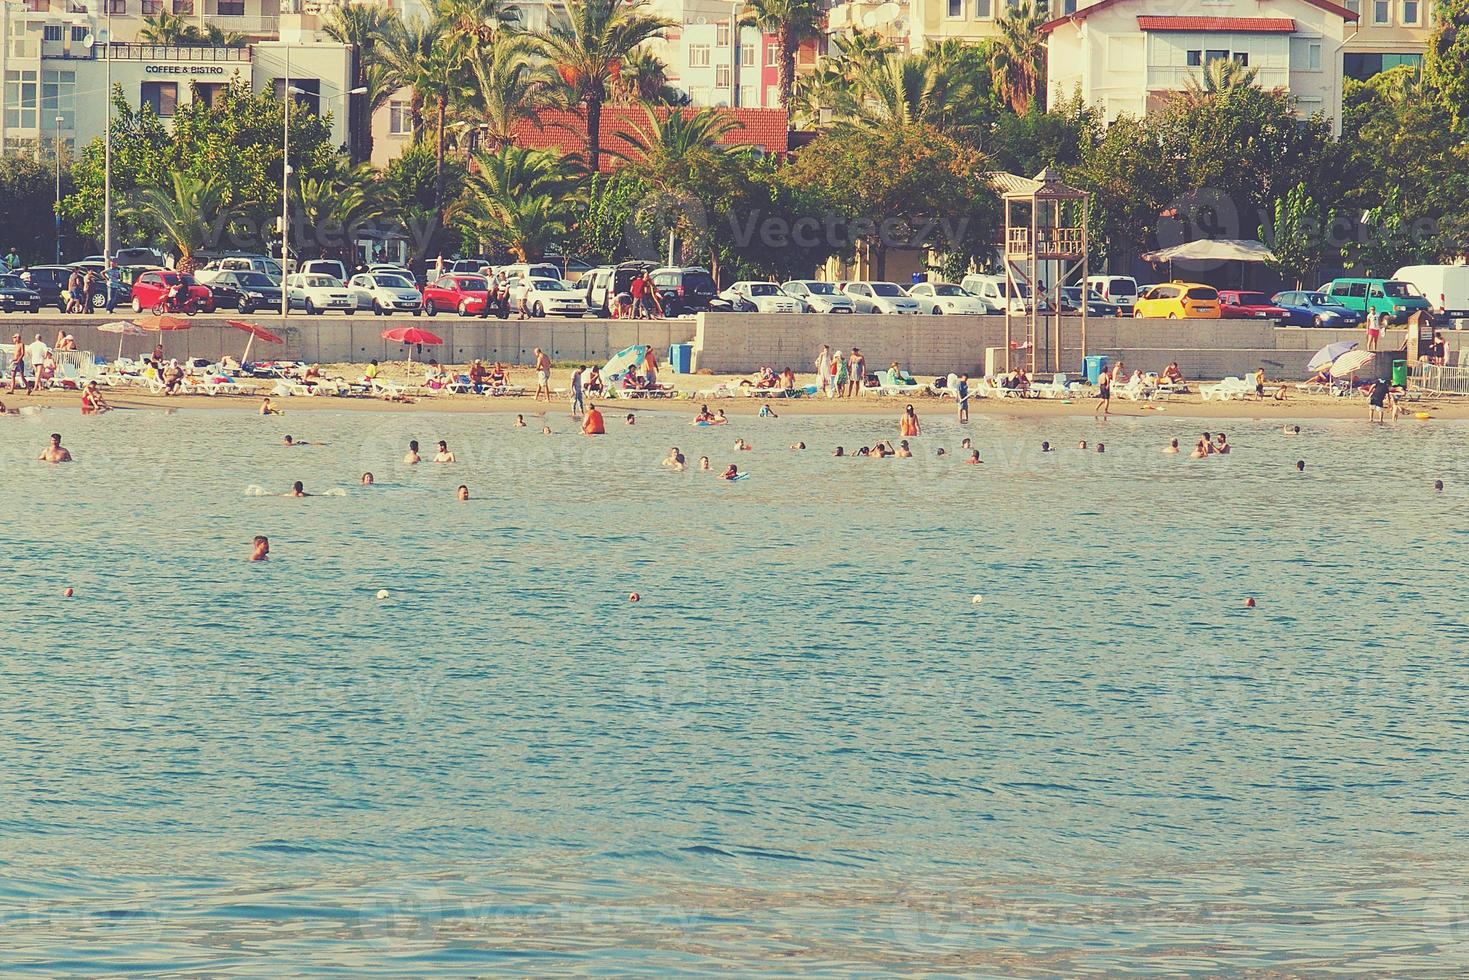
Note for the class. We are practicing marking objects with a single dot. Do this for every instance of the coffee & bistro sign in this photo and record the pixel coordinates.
(183, 69)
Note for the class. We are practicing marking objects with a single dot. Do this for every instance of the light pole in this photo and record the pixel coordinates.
(56, 150)
(107, 163)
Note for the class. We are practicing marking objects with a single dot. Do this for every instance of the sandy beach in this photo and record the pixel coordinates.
(1295, 406)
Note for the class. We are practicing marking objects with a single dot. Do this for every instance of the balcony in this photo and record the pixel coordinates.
(169, 52)
(1051, 243)
(249, 24)
(1174, 79)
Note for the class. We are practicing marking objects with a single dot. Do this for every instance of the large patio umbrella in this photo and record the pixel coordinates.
(255, 331)
(123, 329)
(164, 322)
(1329, 353)
(412, 335)
(626, 358)
(1351, 362)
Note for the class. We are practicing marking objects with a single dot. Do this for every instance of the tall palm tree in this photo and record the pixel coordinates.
(830, 87)
(521, 199)
(363, 27)
(164, 28)
(183, 211)
(910, 89)
(587, 48)
(644, 78)
(478, 21)
(1017, 56)
(333, 201)
(791, 21)
(668, 150)
(505, 85)
(426, 57)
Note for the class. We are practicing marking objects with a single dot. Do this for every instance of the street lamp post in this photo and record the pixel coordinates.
(56, 151)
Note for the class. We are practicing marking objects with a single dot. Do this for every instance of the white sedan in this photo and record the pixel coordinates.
(319, 292)
(548, 297)
(385, 293)
(946, 297)
(767, 297)
(880, 297)
(819, 297)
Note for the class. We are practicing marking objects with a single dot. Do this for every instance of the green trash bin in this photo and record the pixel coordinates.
(1400, 374)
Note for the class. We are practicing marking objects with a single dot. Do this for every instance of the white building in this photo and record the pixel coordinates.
(1123, 57)
(701, 64)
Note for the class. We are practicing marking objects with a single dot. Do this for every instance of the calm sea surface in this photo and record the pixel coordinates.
(806, 750)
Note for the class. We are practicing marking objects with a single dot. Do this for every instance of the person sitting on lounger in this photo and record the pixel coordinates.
(767, 378)
(1171, 375)
(593, 383)
(1321, 377)
(788, 381)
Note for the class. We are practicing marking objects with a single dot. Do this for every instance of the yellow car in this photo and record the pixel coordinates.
(1179, 301)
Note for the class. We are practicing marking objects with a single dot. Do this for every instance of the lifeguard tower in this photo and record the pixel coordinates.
(1045, 249)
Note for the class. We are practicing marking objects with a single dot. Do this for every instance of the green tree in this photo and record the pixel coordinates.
(428, 56)
(170, 29)
(27, 206)
(185, 212)
(601, 232)
(505, 86)
(521, 200)
(1061, 137)
(406, 194)
(363, 28)
(587, 46)
(792, 22)
(1446, 61)
(1296, 235)
(1221, 76)
(644, 79)
(1017, 56)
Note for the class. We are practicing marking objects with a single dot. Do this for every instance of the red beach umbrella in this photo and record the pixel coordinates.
(256, 332)
(412, 335)
(164, 322)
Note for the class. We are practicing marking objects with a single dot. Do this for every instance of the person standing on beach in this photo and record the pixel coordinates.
(650, 367)
(857, 372)
(961, 395)
(543, 375)
(823, 371)
(1373, 328)
(578, 404)
(1104, 395)
(839, 375)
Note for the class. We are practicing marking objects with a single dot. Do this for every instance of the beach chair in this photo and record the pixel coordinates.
(1060, 387)
(1135, 390)
(1226, 389)
(286, 388)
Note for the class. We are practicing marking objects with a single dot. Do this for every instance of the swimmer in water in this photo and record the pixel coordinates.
(704, 464)
(942, 452)
(798, 445)
(674, 460)
(266, 408)
(545, 430)
(704, 414)
(974, 457)
(631, 419)
(903, 451)
(1172, 446)
(520, 421)
(1201, 449)
(966, 443)
(839, 451)
(1081, 445)
(1291, 430)
(742, 445)
(1438, 485)
(367, 479)
(297, 490)
(443, 455)
(1221, 445)
(1300, 466)
(1047, 448)
(720, 417)
(261, 551)
(730, 473)
(412, 457)
(1101, 447)
(462, 493)
(55, 453)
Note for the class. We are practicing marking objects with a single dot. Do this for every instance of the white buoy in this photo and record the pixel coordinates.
(382, 593)
(977, 599)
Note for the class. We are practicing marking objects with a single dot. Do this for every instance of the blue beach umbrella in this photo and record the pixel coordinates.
(1329, 353)
(624, 359)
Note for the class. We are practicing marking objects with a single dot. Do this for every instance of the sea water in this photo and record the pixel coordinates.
(806, 749)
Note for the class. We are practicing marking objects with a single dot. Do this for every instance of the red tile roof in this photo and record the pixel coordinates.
(566, 131)
(1329, 6)
(1242, 25)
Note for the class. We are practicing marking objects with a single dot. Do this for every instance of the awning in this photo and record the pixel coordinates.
(1212, 250)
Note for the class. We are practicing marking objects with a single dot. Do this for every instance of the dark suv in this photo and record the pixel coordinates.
(685, 289)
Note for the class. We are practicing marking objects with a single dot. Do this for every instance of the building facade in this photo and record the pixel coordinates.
(1389, 33)
(1122, 58)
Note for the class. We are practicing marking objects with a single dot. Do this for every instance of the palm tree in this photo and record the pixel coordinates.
(791, 21)
(479, 21)
(914, 90)
(587, 48)
(1017, 56)
(333, 202)
(1221, 76)
(363, 27)
(165, 28)
(829, 88)
(183, 211)
(427, 58)
(644, 78)
(505, 85)
(669, 150)
(522, 200)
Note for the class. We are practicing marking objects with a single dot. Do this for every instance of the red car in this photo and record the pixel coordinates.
(465, 293)
(151, 287)
(1238, 304)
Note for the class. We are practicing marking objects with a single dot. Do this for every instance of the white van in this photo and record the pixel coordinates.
(528, 270)
(1445, 286)
(1120, 291)
(992, 289)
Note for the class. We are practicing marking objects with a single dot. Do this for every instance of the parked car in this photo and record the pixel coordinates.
(880, 297)
(1121, 291)
(325, 267)
(16, 296)
(49, 282)
(545, 297)
(997, 292)
(318, 292)
(605, 282)
(1239, 304)
(1391, 298)
(1095, 305)
(1308, 308)
(685, 289)
(239, 263)
(1179, 301)
(1446, 287)
(139, 256)
(819, 297)
(385, 293)
(152, 286)
(465, 294)
(766, 297)
(946, 297)
(246, 291)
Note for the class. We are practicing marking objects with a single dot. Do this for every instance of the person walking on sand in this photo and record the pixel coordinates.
(823, 371)
(17, 363)
(578, 403)
(839, 375)
(543, 375)
(1104, 396)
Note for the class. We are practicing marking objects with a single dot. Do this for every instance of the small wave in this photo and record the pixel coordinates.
(253, 491)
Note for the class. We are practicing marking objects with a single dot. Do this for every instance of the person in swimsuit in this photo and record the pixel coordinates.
(545, 430)
(704, 464)
(674, 461)
(909, 425)
(462, 493)
(839, 451)
(592, 424)
(55, 453)
(1201, 449)
(742, 445)
(578, 400)
(92, 400)
(411, 457)
(903, 451)
(1104, 396)
(961, 395)
(262, 548)
(543, 374)
(1221, 444)
(266, 408)
(297, 490)
(1377, 401)
(766, 412)
(18, 363)
(730, 473)
(974, 457)
(631, 419)
(367, 479)
(443, 455)
(1172, 446)
(519, 421)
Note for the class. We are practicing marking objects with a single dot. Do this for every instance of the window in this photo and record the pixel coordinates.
(772, 96)
(772, 55)
(1381, 11)
(51, 32)
(400, 122)
(1215, 54)
(20, 99)
(721, 76)
(232, 8)
(699, 96)
(698, 56)
(1305, 54)
(38, 6)
(161, 97)
(78, 35)
(183, 8)
(210, 93)
(1411, 13)
(1242, 58)
(152, 7)
(747, 56)
(956, 8)
(1068, 7)
(58, 97)
(1195, 59)
(983, 9)
(117, 6)
(721, 34)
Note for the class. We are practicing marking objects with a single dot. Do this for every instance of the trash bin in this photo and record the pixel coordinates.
(1095, 365)
(681, 358)
(1400, 374)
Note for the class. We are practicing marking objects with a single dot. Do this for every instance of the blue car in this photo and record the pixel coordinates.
(1305, 308)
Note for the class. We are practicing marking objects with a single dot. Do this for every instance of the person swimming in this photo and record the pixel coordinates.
(412, 457)
(742, 445)
(1101, 447)
(367, 479)
(974, 457)
(903, 451)
(297, 490)
(704, 464)
(1291, 430)
(1201, 449)
(1172, 446)
(839, 451)
(631, 419)
(55, 452)
(1081, 444)
(942, 452)
(674, 460)
(261, 551)
(798, 445)
(545, 430)
(704, 414)
(520, 421)
(462, 493)
(1221, 445)
(966, 443)
(1301, 467)
(1046, 447)
(444, 455)
(731, 473)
